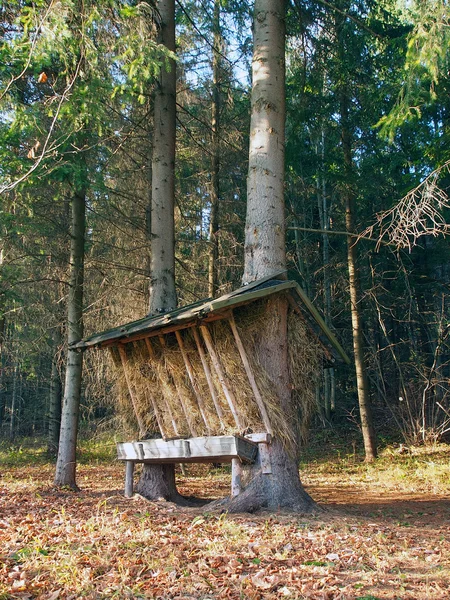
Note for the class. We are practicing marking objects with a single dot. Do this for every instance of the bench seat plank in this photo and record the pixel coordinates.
(219, 448)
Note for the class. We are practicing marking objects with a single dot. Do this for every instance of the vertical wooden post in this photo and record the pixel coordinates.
(190, 372)
(208, 376)
(129, 472)
(221, 375)
(166, 402)
(236, 477)
(250, 375)
(124, 359)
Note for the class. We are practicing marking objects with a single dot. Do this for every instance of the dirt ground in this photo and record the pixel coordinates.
(368, 543)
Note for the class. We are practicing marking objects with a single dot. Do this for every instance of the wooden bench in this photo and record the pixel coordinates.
(219, 448)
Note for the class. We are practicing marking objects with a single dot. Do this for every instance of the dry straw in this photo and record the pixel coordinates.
(161, 379)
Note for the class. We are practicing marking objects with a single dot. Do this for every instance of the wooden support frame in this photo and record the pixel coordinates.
(151, 353)
(208, 376)
(190, 372)
(129, 475)
(250, 375)
(221, 375)
(124, 359)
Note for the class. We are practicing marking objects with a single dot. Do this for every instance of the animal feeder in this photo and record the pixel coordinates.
(193, 380)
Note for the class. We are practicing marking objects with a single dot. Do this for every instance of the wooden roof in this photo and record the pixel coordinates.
(212, 309)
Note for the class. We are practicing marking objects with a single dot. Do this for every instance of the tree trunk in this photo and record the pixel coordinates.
(66, 463)
(54, 413)
(158, 481)
(162, 265)
(215, 161)
(265, 253)
(2, 359)
(365, 410)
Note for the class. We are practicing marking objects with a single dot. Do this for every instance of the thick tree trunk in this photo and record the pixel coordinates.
(66, 463)
(156, 481)
(365, 410)
(265, 254)
(265, 251)
(162, 266)
(55, 404)
(215, 161)
(282, 488)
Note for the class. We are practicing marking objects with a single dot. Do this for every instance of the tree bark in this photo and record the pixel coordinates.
(265, 251)
(265, 254)
(66, 463)
(162, 264)
(215, 161)
(158, 481)
(55, 404)
(365, 409)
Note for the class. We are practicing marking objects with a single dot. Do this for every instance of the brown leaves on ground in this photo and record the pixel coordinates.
(97, 544)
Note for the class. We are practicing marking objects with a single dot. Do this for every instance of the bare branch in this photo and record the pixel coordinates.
(419, 213)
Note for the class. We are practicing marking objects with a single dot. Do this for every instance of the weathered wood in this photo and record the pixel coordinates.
(151, 353)
(190, 372)
(208, 376)
(236, 477)
(124, 359)
(250, 375)
(197, 449)
(264, 458)
(129, 472)
(259, 438)
(221, 375)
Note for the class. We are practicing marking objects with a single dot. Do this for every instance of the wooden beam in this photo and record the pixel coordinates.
(208, 376)
(250, 375)
(151, 353)
(124, 359)
(190, 372)
(195, 449)
(221, 375)
(129, 472)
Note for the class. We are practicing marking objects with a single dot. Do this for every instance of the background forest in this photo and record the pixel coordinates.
(367, 125)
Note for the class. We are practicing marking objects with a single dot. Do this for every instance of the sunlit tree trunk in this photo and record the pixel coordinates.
(265, 252)
(66, 463)
(215, 159)
(162, 265)
(158, 481)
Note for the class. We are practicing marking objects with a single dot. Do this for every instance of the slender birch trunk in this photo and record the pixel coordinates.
(66, 463)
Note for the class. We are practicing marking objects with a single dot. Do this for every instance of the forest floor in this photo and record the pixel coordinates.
(385, 534)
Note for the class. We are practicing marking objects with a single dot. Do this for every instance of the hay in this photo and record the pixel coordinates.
(162, 380)
(305, 365)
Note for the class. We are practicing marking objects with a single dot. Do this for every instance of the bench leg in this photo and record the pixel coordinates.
(129, 472)
(236, 474)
